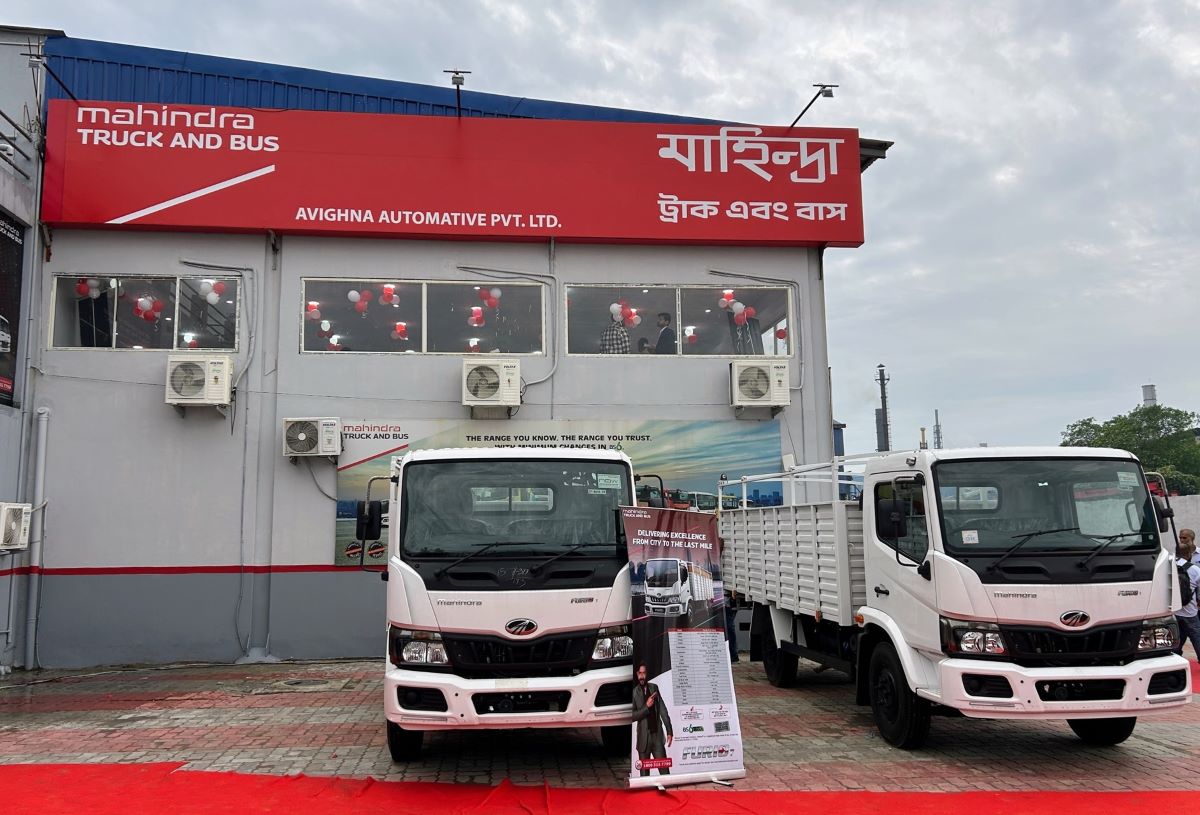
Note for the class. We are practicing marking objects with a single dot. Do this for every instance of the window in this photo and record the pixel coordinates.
(608, 319)
(394, 317)
(914, 544)
(729, 322)
(977, 499)
(512, 499)
(146, 313)
(699, 321)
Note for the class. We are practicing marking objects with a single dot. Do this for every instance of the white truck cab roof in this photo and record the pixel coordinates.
(570, 453)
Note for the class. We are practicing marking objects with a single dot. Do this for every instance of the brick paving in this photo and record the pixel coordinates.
(811, 737)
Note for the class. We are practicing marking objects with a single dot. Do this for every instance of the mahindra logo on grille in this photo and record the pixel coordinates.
(520, 627)
(1075, 619)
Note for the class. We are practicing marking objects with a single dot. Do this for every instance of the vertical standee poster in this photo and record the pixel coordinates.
(12, 255)
(685, 719)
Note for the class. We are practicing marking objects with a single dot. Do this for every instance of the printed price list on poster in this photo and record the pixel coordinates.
(699, 669)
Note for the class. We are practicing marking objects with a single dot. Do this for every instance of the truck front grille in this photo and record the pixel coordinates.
(1081, 690)
(497, 658)
(1047, 647)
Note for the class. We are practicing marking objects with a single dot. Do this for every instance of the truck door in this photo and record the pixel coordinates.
(894, 585)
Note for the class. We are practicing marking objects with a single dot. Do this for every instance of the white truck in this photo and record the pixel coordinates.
(508, 597)
(674, 587)
(1020, 583)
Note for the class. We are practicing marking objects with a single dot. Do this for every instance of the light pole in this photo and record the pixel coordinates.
(822, 90)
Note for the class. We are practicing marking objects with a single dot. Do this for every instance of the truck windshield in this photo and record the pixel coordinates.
(704, 501)
(662, 574)
(455, 507)
(1062, 505)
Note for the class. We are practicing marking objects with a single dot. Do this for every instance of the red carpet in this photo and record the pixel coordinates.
(122, 789)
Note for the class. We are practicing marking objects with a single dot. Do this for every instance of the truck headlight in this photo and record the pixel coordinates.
(971, 638)
(1159, 634)
(407, 647)
(612, 643)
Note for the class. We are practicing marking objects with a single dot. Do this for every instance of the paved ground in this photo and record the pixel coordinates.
(811, 737)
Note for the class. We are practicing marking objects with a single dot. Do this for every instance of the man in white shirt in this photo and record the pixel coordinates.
(1189, 622)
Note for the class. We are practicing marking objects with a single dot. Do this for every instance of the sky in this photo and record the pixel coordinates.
(1031, 238)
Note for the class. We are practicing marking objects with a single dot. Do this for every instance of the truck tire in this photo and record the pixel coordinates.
(404, 745)
(901, 716)
(779, 665)
(1103, 732)
(617, 740)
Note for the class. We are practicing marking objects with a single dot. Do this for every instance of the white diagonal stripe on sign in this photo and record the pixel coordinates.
(200, 193)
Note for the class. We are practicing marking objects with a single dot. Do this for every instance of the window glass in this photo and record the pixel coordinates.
(83, 312)
(740, 322)
(207, 313)
(380, 316)
(500, 318)
(979, 499)
(512, 499)
(621, 320)
(915, 543)
(145, 312)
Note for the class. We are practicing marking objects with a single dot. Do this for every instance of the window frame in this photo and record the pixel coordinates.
(424, 283)
(895, 546)
(175, 348)
(675, 321)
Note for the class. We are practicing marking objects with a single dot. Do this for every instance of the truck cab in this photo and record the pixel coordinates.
(508, 598)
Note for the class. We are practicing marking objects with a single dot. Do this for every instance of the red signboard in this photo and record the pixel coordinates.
(237, 169)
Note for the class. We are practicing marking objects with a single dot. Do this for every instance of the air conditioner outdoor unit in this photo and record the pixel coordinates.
(312, 437)
(491, 383)
(759, 384)
(14, 526)
(199, 379)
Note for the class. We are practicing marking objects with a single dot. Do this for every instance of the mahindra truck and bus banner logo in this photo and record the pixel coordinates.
(233, 169)
(685, 722)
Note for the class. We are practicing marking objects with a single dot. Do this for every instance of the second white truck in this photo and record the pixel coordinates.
(1021, 583)
(674, 587)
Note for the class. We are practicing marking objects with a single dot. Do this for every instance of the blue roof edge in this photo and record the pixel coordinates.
(61, 48)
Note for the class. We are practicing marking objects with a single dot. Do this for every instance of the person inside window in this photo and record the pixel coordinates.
(666, 335)
(615, 339)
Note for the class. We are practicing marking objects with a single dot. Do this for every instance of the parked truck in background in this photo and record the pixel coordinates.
(1022, 583)
(508, 598)
(675, 587)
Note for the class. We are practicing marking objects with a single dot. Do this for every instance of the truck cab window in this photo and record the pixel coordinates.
(915, 543)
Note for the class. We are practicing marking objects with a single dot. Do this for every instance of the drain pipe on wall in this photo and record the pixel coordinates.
(37, 534)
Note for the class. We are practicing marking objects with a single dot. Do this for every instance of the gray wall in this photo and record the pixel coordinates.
(153, 515)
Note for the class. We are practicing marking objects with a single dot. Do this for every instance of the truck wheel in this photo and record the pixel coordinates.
(901, 716)
(1103, 732)
(779, 664)
(404, 745)
(618, 739)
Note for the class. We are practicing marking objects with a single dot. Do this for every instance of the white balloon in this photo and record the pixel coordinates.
(495, 293)
(145, 303)
(205, 287)
(93, 283)
(723, 303)
(637, 319)
(353, 296)
(213, 298)
(614, 309)
(395, 335)
(324, 325)
(737, 307)
(94, 293)
(315, 314)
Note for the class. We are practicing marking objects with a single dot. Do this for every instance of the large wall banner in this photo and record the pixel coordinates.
(685, 720)
(240, 169)
(12, 255)
(688, 456)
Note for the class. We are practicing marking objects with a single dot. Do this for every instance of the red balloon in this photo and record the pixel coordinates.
(193, 343)
(484, 294)
(629, 322)
(474, 349)
(728, 297)
(158, 306)
(219, 287)
(311, 307)
(81, 288)
(365, 294)
(691, 339)
(740, 319)
(477, 311)
(386, 298)
(137, 310)
(492, 302)
(781, 334)
(361, 306)
(749, 311)
(149, 316)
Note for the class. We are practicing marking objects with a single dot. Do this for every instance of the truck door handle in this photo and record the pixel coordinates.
(880, 590)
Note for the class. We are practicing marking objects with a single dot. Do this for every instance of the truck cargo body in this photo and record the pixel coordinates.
(1022, 583)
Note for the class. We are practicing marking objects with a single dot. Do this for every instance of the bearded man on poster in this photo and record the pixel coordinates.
(651, 716)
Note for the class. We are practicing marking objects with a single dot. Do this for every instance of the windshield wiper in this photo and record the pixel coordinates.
(572, 550)
(1105, 540)
(1023, 540)
(477, 553)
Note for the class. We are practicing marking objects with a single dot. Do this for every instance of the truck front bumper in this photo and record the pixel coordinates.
(665, 609)
(977, 688)
(550, 701)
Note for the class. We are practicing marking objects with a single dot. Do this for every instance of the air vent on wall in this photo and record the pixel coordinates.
(759, 384)
(312, 437)
(495, 382)
(199, 379)
(14, 527)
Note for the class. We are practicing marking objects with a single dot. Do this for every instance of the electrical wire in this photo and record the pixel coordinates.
(308, 463)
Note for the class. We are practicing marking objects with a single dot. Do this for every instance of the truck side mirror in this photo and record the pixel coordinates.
(889, 519)
(369, 523)
(1164, 513)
